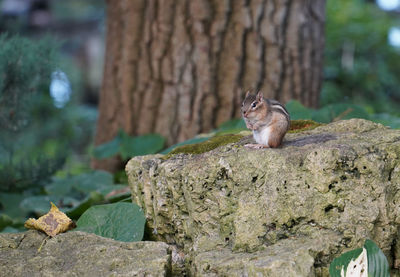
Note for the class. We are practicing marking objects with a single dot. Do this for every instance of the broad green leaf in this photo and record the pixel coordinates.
(92, 181)
(140, 145)
(10, 203)
(340, 263)
(231, 127)
(358, 262)
(59, 186)
(108, 149)
(387, 120)
(339, 111)
(10, 229)
(127, 200)
(377, 262)
(119, 221)
(93, 198)
(298, 111)
(120, 177)
(40, 204)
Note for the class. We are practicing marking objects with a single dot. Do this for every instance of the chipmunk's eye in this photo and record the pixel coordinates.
(254, 104)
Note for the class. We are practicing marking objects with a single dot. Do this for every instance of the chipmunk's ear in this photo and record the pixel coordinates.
(260, 96)
(247, 93)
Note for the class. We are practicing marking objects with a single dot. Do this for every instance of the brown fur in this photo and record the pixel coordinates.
(265, 114)
(279, 127)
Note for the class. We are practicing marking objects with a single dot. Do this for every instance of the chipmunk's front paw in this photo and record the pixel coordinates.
(255, 146)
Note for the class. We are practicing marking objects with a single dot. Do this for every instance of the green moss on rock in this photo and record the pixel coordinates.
(303, 125)
(205, 146)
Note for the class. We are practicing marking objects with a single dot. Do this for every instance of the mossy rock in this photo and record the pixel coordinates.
(208, 145)
(223, 139)
(303, 125)
(336, 184)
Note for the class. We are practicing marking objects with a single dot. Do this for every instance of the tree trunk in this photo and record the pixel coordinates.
(180, 67)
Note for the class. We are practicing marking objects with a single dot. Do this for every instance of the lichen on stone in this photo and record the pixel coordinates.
(205, 146)
(342, 178)
(81, 254)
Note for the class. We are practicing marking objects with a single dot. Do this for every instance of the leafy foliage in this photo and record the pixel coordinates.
(25, 69)
(36, 138)
(360, 66)
(343, 261)
(5, 221)
(339, 111)
(119, 221)
(377, 264)
(329, 113)
(128, 146)
(360, 83)
(72, 194)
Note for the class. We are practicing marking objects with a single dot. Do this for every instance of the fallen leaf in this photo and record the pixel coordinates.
(52, 223)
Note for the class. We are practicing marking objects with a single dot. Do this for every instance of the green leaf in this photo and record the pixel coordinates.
(108, 149)
(128, 200)
(140, 145)
(119, 221)
(387, 120)
(41, 204)
(343, 261)
(377, 262)
(10, 203)
(5, 221)
(59, 186)
(298, 111)
(9, 229)
(128, 146)
(92, 181)
(93, 198)
(339, 111)
(231, 127)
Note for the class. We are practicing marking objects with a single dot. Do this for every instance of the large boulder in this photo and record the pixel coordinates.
(295, 208)
(80, 254)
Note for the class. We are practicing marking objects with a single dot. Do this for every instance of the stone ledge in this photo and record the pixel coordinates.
(80, 254)
(343, 177)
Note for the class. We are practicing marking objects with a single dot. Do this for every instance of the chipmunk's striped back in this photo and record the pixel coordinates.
(278, 107)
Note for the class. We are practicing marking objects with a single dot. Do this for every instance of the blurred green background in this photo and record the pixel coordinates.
(51, 58)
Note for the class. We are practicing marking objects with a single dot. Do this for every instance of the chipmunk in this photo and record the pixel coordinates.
(267, 118)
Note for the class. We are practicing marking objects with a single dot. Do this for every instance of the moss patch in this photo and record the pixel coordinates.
(205, 146)
(302, 125)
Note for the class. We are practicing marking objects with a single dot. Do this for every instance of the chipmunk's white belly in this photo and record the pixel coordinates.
(261, 136)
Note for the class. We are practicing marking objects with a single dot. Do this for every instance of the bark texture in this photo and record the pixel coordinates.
(179, 68)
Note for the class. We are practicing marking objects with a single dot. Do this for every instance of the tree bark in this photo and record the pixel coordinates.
(181, 67)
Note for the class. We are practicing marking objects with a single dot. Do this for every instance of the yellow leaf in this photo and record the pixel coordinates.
(52, 223)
